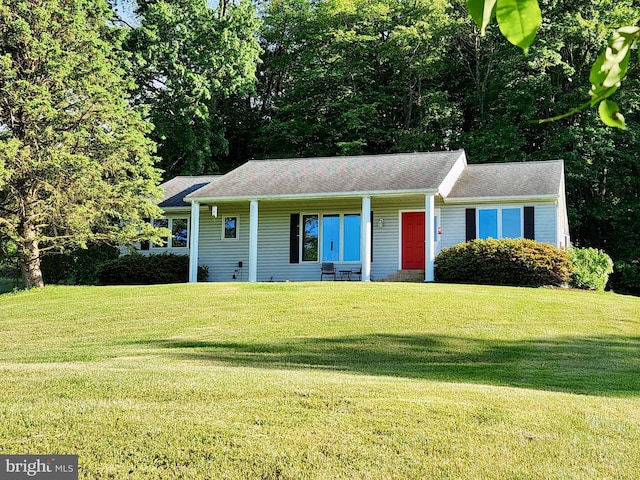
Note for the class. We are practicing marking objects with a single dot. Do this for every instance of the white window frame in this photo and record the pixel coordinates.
(320, 217)
(499, 220)
(224, 229)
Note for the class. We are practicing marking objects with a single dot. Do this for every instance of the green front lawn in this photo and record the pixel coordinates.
(323, 380)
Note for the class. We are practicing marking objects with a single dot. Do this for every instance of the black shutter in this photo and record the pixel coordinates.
(529, 223)
(470, 223)
(294, 238)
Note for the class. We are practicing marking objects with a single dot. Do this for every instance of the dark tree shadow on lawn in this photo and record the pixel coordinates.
(608, 365)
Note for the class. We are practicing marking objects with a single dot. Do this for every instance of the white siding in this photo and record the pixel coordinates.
(222, 255)
(386, 240)
(545, 223)
(564, 239)
(452, 222)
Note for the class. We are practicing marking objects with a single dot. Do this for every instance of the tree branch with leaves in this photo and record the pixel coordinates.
(519, 21)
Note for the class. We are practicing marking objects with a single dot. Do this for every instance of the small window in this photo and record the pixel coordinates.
(310, 238)
(230, 228)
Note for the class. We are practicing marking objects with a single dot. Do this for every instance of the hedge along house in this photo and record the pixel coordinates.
(279, 220)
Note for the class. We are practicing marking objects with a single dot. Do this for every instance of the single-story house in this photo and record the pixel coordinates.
(378, 215)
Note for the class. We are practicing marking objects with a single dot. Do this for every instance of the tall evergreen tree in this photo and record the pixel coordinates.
(75, 163)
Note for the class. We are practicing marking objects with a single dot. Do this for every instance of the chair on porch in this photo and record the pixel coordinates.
(327, 268)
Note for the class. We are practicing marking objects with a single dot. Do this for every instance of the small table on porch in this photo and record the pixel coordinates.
(345, 274)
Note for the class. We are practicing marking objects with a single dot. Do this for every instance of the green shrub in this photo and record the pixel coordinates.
(626, 277)
(79, 267)
(139, 269)
(591, 268)
(517, 262)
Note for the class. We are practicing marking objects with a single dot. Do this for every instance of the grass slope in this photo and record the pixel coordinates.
(323, 380)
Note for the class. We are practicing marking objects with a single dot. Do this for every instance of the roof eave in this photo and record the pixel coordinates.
(314, 196)
(174, 208)
(498, 199)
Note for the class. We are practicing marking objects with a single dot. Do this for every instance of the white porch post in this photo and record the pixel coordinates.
(429, 244)
(365, 239)
(194, 235)
(253, 241)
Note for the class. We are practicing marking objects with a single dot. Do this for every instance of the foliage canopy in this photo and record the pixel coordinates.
(519, 21)
(186, 59)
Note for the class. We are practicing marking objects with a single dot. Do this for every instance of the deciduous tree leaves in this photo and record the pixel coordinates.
(518, 20)
(610, 114)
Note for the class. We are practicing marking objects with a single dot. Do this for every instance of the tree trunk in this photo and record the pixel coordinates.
(29, 253)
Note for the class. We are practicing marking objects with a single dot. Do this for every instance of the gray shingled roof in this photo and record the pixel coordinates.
(513, 179)
(307, 177)
(177, 188)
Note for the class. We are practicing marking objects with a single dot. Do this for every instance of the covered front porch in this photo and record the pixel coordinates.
(288, 239)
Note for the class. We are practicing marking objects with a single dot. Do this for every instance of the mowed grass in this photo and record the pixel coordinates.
(323, 381)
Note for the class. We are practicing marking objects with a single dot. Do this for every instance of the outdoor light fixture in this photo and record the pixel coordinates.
(380, 222)
(214, 211)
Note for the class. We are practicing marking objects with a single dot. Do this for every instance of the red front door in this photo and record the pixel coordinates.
(413, 241)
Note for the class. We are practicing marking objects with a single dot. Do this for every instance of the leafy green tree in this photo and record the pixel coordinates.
(500, 91)
(75, 164)
(346, 77)
(187, 60)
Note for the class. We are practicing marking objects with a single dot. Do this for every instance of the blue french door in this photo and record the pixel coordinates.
(351, 244)
(330, 238)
